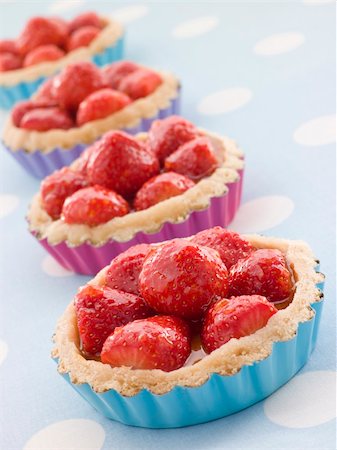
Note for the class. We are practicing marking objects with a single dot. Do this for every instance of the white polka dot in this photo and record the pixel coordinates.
(195, 27)
(64, 5)
(318, 131)
(130, 13)
(8, 203)
(3, 351)
(53, 268)
(224, 101)
(74, 434)
(262, 214)
(279, 43)
(307, 400)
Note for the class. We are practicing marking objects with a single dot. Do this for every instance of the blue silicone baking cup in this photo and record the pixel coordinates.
(9, 95)
(218, 397)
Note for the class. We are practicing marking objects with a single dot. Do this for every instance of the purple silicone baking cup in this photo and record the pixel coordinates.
(40, 164)
(88, 259)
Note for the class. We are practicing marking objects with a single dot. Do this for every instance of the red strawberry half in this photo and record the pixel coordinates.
(160, 342)
(100, 310)
(234, 318)
(183, 279)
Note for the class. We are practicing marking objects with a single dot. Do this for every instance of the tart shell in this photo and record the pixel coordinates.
(17, 85)
(235, 376)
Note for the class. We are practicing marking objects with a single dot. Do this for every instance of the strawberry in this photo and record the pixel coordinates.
(165, 136)
(160, 342)
(82, 37)
(263, 272)
(230, 245)
(82, 162)
(100, 104)
(84, 20)
(194, 159)
(44, 119)
(140, 83)
(161, 187)
(121, 163)
(40, 31)
(115, 72)
(93, 206)
(234, 318)
(46, 93)
(21, 108)
(183, 279)
(9, 61)
(100, 310)
(43, 53)
(8, 46)
(62, 29)
(57, 187)
(123, 271)
(75, 83)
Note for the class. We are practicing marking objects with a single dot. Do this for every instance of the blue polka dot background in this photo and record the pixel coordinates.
(263, 74)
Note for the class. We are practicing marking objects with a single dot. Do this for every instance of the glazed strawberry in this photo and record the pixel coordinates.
(195, 159)
(140, 83)
(121, 163)
(82, 162)
(160, 342)
(100, 310)
(57, 187)
(183, 279)
(263, 272)
(82, 37)
(21, 108)
(39, 31)
(100, 104)
(115, 72)
(44, 119)
(43, 53)
(165, 136)
(93, 206)
(234, 318)
(123, 272)
(9, 61)
(85, 19)
(161, 187)
(46, 93)
(62, 29)
(75, 83)
(8, 46)
(230, 245)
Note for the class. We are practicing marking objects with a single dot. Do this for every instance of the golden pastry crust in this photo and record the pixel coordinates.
(18, 138)
(107, 37)
(121, 229)
(227, 360)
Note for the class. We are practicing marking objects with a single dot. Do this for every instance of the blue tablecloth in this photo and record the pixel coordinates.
(262, 73)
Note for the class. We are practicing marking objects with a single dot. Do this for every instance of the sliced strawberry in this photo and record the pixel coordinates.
(263, 272)
(101, 104)
(82, 37)
(140, 83)
(8, 46)
(230, 245)
(85, 19)
(39, 31)
(161, 187)
(234, 318)
(123, 272)
(165, 136)
(194, 159)
(75, 83)
(121, 163)
(183, 279)
(100, 310)
(44, 119)
(160, 342)
(115, 72)
(43, 53)
(93, 206)
(57, 187)
(9, 61)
